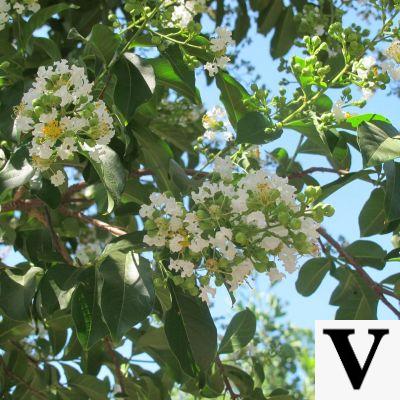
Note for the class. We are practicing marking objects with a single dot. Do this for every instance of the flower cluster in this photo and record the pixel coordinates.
(216, 123)
(184, 12)
(20, 7)
(238, 223)
(62, 117)
(219, 47)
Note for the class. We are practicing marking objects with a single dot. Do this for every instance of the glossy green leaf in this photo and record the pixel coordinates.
(191, 332)
(251, 129)
(285, 33)
(392, 191)
(85, 309)
(355, 299)
(127, 293)
(112, 174)
(367, 253)
(233, 96)
(135, 84)
(239, 332)
(90, 386)
(17, 171)
(102, 42)
(311, 275)
(372, 216)
(378, 142)
(17, 288)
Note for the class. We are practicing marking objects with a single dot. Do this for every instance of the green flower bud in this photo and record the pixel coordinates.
(283, 218)
(241, 238)
(150, 225)
(260, 267)
(178, 280)
(295, 223)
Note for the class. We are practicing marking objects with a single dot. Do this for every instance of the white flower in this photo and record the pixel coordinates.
(58, 178)
(270, 243)
(211, 68)
(67, 148)
(240, 273)
(289, 258)
(222, 61)
(158, 241)
(222, 41)
(146, 211)
(198, 244)
(185, 268)
(175, 244)
(393, 51)
(367, 93)
(275, 275)
(337, 111)
(364, 65)
(224, 167)
(256, 218)
(205, 291)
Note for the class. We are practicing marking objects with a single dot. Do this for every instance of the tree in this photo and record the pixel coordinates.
(131, 205)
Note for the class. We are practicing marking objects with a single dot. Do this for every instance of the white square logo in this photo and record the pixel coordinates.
(357, 360)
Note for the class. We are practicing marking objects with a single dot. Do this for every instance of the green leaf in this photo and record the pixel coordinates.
(135, 84)
(242, 24)
(112, 174)
(127, 293)
(102, 42)
(269, 16)
(240, 378)
(130, 242)
(191, 332)
(48, 193)
(312, 274)
(392, 191)
(378, 142)
(17, 288)
(239, 332)
(85, 309)
(39, 18)
(372, 216)
(92, 387)
(367, 253)
(233, 95)
(251, 129)
(13, 330)
(180, 178)
(173, 73)
(356, 120)
(354, 298)
(17, 171)
(336, 185)
(48, 46)
(157, 155)
(285, 33)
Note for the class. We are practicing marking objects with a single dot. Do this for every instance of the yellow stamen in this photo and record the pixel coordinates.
(52, 130)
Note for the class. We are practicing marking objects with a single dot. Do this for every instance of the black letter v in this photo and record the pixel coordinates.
(340, 338)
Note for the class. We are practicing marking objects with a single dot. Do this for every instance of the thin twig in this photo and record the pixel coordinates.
(114, 230)
(111, 351)
(57, 242)
(15, 377)
(317, 169)
(360, 270)
(227, 383)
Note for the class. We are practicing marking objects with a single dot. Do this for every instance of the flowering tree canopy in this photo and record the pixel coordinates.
(129, 205)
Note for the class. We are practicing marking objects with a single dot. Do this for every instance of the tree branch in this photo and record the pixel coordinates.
(57, 242)
(380, 292)
(317, 169)
(36, 393)
(111, 351)
(114, 230)
(227, 383)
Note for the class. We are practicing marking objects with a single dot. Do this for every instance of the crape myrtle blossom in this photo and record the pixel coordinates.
(217, 126)
(62, 117)
(7, 7)
(184, 12)
(238, 223)
(219, 47)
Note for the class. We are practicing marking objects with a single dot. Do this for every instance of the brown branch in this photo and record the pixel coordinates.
(380, 292)
(114, 230)
(15, 377)
(227, 383)
(57, 242)
(111, 351)
(317, 169)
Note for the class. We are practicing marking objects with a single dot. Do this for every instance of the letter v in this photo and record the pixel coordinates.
(340, 339)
